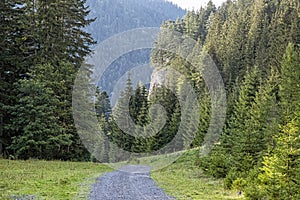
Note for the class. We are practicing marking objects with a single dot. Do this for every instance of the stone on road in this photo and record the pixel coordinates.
(131, 182)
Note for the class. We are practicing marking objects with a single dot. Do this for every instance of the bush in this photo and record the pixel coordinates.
(217, 164)
(230, 178)
(254, 192)
(239, 184)
(252, 189)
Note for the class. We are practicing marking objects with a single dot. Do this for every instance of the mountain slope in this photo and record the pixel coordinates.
(115, 16)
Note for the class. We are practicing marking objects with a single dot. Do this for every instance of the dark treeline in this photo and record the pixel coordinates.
(136, 136)
(42, 47)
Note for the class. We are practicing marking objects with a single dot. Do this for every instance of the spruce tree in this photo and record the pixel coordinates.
(11, 66)
(280, 172)
(36, 122)
(280, 178)
(241, 110)
(289, 88)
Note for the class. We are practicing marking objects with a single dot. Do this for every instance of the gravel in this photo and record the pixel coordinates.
(23, 197)
(131, 182)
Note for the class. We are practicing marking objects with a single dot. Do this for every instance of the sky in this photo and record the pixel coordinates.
(194, 4)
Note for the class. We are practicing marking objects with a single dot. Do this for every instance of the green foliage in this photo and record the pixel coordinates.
(231, 176)
(119, 16)
(237, 143)
(280, 178)
(217, 163)
(102, 104)
(280, 175)
(252, 189)
(42, 115)
(247, 40)
(35, 34)
(36, 121)
(12, 66)
(255, 45)
(289, 88)
(239, 184)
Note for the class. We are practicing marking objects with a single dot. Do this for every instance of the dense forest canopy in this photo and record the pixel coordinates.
(254, 43)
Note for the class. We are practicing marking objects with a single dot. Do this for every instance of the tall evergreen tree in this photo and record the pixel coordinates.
(11, 38)
(38, 32)
(280, 172)
(289, 88)
(241, 109)
(36, 122)
(280, 178)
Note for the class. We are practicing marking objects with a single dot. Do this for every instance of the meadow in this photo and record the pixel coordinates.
(49, 180)
(185, 181)
(57, 180)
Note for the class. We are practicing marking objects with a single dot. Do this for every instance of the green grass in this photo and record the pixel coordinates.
(49, 180)
(55, 180)
(185, 181)
(155, 162)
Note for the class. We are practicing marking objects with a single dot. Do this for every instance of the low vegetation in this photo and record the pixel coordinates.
(184, 180)
(49, 180)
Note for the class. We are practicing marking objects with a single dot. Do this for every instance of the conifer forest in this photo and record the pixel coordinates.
(255, 45)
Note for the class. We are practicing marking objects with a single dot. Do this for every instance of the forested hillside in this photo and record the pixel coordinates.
(254, 43)
(116, 16)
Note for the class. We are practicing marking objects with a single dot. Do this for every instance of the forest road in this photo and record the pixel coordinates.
(131, 182)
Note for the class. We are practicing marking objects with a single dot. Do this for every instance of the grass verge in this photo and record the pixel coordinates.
(184, 181)
(47, 180)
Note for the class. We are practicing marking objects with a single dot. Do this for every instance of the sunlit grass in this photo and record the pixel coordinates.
(184, 180)
(181, 178)
(55, 180)
(48, 179)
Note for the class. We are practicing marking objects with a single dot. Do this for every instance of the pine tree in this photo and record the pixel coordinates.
(35, 120)
(205, 115)
(280, 178)
(11, 68)
(280, 172)
(263, 120)
(102, 104)
(56, 31)
(289, 88)
(241, 110)
(38, 32)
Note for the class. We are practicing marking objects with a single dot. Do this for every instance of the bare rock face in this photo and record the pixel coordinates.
(158, 78)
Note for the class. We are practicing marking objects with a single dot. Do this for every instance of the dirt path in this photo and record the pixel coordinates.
(131, 182)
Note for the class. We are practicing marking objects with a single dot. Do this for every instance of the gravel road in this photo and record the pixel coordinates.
(131, 182)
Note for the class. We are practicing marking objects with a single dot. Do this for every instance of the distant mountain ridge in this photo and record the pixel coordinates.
(117, 16)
